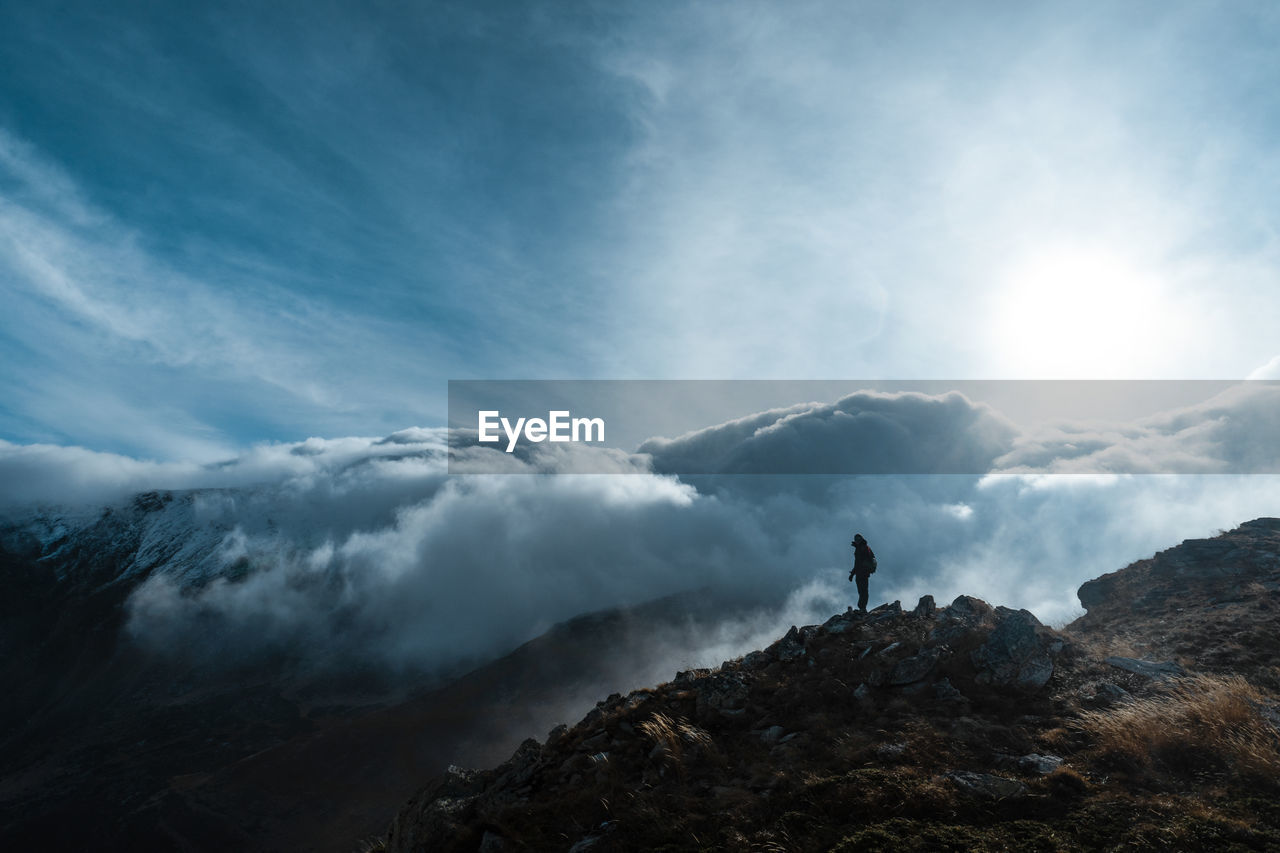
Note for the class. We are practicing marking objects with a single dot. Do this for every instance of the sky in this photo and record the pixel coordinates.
(223, 224)
(245, 246)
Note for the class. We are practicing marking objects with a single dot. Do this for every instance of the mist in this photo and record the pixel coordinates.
(364, 553)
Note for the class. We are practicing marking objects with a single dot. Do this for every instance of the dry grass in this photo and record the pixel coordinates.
(1200, 722)
(675, 735)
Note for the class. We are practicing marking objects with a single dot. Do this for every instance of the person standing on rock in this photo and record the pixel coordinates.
(864, 564)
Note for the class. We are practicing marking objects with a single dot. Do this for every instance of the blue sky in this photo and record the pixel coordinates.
(235, 223)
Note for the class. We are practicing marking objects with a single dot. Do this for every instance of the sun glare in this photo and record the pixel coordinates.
(1072, 314)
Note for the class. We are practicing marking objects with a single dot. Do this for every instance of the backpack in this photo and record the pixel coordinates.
(871, 561)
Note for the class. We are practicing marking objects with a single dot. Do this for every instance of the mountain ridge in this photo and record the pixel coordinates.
(966, 727)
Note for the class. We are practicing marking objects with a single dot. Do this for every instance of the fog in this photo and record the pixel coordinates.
(364, 552)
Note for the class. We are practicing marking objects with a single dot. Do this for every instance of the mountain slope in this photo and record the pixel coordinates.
(1150, 723)
(109, 744)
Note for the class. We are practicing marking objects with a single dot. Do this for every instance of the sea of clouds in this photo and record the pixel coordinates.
(369, 552)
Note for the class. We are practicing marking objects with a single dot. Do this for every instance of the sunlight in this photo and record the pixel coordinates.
(1080, 314)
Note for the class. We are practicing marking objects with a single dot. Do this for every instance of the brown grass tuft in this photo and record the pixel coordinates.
(1067, 782)
(675, 735)
(1201, 722)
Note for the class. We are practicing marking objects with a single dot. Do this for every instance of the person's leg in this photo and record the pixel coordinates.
(862, 591)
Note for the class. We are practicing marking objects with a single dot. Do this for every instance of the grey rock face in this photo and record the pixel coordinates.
(925, 607)
(790, 646)
(725, 691)
(959, 618)
(945, 691)
(1039, 764)
(1015, 654)
(1151, 669)
(985, 786)
(914, 668)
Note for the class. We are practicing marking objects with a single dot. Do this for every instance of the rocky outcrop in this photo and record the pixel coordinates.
(1018, 652)
(1251, 552)
(876, 730)
(728, 729)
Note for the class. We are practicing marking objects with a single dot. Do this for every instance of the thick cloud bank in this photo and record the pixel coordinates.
(902, 433)
(365, 552)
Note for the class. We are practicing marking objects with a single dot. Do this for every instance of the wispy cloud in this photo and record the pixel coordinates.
(104, 336)
(246, 224)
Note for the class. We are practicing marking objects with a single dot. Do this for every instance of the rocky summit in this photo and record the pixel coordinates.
(1149, 723)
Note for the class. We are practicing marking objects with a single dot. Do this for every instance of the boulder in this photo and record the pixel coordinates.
(914, 668)
(963, 615)
(1015, 654)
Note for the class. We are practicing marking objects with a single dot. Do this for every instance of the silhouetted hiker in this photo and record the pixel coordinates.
(864, 563)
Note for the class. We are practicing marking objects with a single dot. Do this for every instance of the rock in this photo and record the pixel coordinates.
(862, 691)
(594, 742)
(442, 811)
(966, 608)
(945, 691)
(1109, 694)
(884, 613)
(889, 648)
(590, 841)
(1041, 765)
(1015, 654)
(840, 623)
(1099, 591)
(724, 691)
(462, 781)
(772, 734)
(890, 751)
(963, 615)
(1269, 711)
(755, 660)
(790, 646)
(491, 842)
(985, 786)
(1150, 669)
(556, 734)
(925, 607)
(914, 668)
